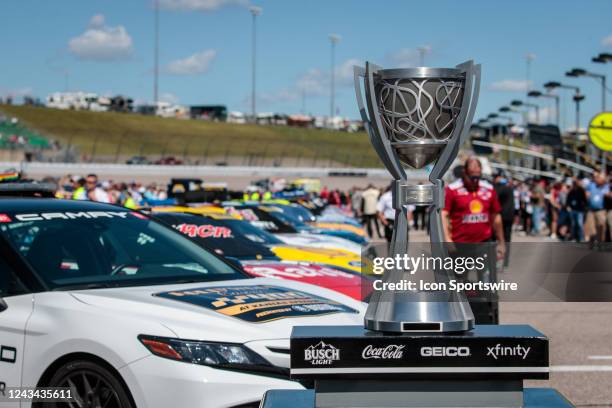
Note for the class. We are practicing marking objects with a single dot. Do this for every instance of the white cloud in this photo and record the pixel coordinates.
(408, 57)
(170, 98)
(607, 41)
(282, 95)
(101, 42)
(199, 5)
(510, 85)
(197, 63)
(97, 21)
(313, 82)
(344, 72)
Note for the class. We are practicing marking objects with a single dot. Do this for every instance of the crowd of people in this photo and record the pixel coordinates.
(575, 208)
(130, 195)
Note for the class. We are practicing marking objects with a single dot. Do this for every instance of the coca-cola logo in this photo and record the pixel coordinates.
(390, 352)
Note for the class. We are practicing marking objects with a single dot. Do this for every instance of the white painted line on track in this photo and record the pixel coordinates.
(599, 357)
(580, 368)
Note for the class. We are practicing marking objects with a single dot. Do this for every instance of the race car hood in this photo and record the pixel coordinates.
(321, 241)
(344, 281)
(237, 311)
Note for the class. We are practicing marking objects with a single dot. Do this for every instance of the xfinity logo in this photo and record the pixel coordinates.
(391, 352)
(321, 354)
(507, 351)
(445, 351)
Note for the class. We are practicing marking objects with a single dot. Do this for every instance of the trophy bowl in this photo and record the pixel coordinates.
(419, 108)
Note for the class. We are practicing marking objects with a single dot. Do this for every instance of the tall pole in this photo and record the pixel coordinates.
(557, 112)
(333, 38)
(604, 158)
(603, 93)
(156, 55)
(255, 11)
(528, 58)
(577, 116)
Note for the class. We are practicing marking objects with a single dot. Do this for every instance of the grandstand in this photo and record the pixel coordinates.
(14, 135)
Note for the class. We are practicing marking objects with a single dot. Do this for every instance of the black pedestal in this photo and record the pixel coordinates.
(484, 367)
(486, 352)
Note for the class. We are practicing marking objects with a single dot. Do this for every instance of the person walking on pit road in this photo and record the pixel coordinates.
(369, 201)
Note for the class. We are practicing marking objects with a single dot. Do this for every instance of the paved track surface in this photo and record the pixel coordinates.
(580, 337)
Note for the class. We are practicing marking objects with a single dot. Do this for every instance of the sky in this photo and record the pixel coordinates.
(107, 47)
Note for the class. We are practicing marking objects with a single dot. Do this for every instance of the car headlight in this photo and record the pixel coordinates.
(219, 355)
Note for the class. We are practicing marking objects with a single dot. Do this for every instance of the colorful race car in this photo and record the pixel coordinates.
(288, 228)
(125, 312)
(239, 239)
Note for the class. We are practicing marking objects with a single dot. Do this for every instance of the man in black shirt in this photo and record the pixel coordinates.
(577, 205)
(505, 196)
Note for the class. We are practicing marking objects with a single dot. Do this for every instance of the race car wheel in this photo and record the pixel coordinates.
(91, 386)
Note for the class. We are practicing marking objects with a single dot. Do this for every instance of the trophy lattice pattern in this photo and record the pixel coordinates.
(420, 109)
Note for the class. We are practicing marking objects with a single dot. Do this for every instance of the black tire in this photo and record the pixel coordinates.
(92, 386)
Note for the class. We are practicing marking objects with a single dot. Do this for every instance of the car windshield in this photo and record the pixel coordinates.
(286, 217)
(109, 248)
(228, 237)
(265, 219)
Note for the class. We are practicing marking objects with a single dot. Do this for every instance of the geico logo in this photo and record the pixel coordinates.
(445, 351)
(70, 215)
(205, 231)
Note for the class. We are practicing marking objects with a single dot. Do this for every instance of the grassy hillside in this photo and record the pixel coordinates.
(116, 135)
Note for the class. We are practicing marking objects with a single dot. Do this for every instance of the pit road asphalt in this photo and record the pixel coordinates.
(580, 336)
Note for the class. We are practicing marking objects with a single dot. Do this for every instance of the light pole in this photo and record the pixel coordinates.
(508, 109)
(255, 11)
(529, 57)
(156, 56)
(507, 134)
(333, 39)
(538, 94)
(579, 72)
(603, 58)
(422, 52)
(517, 103)
(578, 97)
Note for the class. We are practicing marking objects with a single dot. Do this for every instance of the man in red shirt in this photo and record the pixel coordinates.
(471, 212)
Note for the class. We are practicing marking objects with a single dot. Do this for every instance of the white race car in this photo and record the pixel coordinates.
(125, 312)
(321, 241)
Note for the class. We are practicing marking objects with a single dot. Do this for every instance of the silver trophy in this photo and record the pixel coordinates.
(416, 117)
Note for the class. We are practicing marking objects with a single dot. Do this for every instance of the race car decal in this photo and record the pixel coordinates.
(259, 303)
(204, 231)
(295, 271)
(69, 215)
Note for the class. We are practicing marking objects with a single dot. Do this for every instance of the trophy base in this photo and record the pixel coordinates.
(484, 367)
(419, 312)
(417, 327)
